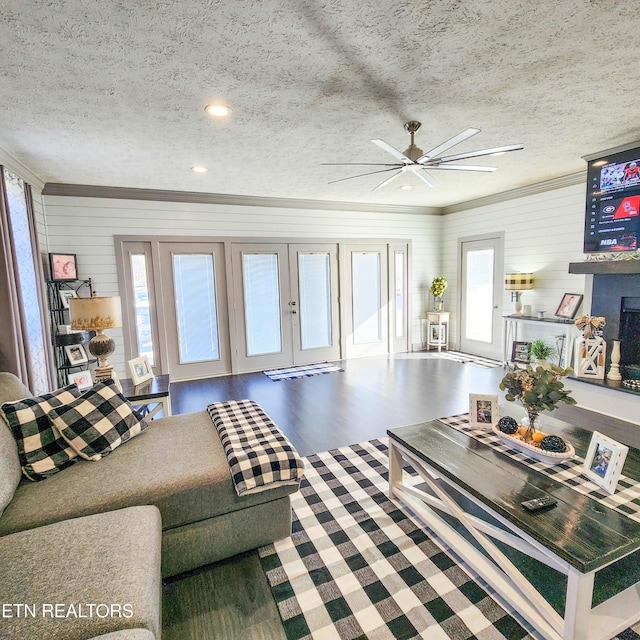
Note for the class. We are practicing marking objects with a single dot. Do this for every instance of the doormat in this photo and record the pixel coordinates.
(303, 371)
(356, 566)
(465, 358)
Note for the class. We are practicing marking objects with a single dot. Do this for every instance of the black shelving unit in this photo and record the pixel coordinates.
(59, 315)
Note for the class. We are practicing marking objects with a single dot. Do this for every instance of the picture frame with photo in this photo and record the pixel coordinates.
(438, 334)
(82, 379)
(140, 369)
(569, 305)
(604, 461)
(65, 296)
(484, 410)
(64, 267)
(520, 352)
(76, 354)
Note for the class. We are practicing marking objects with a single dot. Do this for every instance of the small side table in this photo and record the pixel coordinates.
(151, 396)
(438, 329)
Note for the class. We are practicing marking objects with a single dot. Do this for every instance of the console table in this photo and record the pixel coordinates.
(474, 488)
(513, 323)
(151, 396)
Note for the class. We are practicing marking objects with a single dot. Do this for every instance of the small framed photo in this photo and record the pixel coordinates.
(82, 379)
(438, 334)
(520, 352)
(63, 267)
(65, 295)
(140, 370)
(76, 354)
(483, 410)
(568, 306)
(604, 461)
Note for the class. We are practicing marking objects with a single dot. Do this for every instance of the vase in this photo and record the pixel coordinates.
(530, 422)
(437, 303)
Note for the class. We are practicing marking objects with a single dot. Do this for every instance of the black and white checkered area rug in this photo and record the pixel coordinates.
(358, 567)
(303, 371)
(466, 358)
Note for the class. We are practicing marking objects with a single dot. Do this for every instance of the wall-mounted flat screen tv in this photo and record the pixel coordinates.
(613, 202)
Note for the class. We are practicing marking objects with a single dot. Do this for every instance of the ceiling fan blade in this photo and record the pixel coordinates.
(482, 152)
(359, 164)
(388, 180)
(460, 167)
(430, 180)
(364, 174)
(393, 151)
(452, 142)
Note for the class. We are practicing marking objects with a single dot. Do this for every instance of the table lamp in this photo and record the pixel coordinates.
(517, 282)
(97, 314)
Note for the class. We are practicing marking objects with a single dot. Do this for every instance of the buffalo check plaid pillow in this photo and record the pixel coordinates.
(42, 451)
(260, 456)
(97, 422)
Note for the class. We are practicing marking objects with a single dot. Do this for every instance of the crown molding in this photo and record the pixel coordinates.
(194, 197)
(529, 190)
(21, 169)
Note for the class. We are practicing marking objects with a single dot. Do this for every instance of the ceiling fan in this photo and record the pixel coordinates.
(415, 161)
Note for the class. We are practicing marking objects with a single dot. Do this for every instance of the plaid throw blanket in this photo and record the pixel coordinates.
(259, 455)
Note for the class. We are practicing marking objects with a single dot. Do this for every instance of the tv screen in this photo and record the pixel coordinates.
(613, 202)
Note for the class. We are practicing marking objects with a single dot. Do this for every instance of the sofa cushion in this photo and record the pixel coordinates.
(109, 559)
(97, 422)
(42, 452)
(10, 473)
(178, 465)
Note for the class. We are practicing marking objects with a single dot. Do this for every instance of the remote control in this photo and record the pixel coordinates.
(539, 503)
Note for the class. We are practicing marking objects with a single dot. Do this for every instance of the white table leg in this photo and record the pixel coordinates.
(578, 605)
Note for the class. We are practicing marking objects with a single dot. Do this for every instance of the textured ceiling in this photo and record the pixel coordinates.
(113, 92)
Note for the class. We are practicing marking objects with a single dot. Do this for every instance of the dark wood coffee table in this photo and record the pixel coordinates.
(469, 494)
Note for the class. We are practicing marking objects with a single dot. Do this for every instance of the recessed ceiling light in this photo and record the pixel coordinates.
(199, 169)
(499, 153)
(218, 110)
(406, 186)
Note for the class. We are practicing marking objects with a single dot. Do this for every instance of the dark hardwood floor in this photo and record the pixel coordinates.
(361, 403)
(232, 599)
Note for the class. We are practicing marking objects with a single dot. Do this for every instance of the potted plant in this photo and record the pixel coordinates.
(541, 351)
(538, 389)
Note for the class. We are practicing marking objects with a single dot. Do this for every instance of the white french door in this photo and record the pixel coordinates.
(195, 309)
(481, 300)
(286, 304)
(366, 312)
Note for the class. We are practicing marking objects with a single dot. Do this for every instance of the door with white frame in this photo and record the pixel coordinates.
(481, 269)
(195, 309)
(286, 304)
(366, 300)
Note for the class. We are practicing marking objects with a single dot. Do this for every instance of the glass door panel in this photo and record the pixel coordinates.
(195, 296)
(399, 297)
(315, 300)
(262, 303)
(366, 298)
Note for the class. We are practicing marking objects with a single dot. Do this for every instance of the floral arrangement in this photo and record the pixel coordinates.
(438, 285)
(591, 326)
(538, 389)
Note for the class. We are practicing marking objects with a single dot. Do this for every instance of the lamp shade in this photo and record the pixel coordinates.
(96, 313)
(518, 281)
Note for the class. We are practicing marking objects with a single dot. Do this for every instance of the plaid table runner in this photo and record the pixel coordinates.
(626, 499)
(259, 455)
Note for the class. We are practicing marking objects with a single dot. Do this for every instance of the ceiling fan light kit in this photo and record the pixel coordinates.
(415, 161)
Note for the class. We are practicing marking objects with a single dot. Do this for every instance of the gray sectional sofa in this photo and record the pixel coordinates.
(104, 532)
